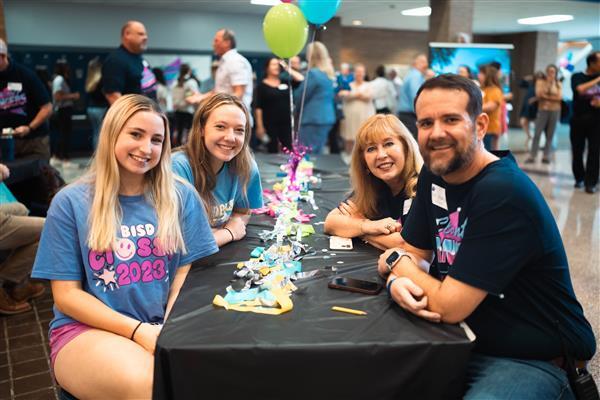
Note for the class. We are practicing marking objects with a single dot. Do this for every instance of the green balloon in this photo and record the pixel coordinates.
(285, 30)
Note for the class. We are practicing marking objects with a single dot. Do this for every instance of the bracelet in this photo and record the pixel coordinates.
(135, 330)
(231, 233)
(389, 286)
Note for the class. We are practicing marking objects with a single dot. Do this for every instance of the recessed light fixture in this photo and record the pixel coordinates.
(544, 19)
(417, 12)
(265, 2)
(357, 22)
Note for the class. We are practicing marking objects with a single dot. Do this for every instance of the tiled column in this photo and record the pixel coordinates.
(449, 18)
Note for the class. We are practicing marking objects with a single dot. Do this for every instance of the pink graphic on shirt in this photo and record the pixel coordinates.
(449, 236)
(148, 81)
(12, 102)
(113, 269)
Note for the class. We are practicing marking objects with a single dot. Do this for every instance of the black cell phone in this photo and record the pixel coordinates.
(355, 285)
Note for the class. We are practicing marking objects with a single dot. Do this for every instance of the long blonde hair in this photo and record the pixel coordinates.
(205, 179)
(318, 57)
(106, 213)
(364, 184)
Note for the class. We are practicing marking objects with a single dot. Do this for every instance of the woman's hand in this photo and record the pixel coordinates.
(349, 209)
(384, 226)
(147, 335)
(410, 297)
(237, 227)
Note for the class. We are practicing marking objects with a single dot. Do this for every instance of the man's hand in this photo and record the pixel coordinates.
(22, 131)
(4, 172)
(410, 297)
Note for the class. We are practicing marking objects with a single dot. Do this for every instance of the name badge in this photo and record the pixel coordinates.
(438, 196)
(145, 63)
(15, 86)
(282, 86)
(407, 204)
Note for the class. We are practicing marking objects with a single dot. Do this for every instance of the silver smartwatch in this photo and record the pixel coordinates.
(394, 257)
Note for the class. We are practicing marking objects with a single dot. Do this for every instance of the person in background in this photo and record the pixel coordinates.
(584, 124)
(492, 105)
(19, 235)
(217, 161)
(530, 105)
(358, 107)
(113, 287)
(163, 97)
(344, 77)
(25, 107)
(318, 115)
(186, 86)
(63, 105)
(548, 92)
(208, 84)
(383, 172)
(97, 103)
(125, 71)
(384, 93)
(272, 108)
(412, 82)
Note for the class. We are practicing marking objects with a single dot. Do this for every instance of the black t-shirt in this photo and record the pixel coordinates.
(496, 232)
(275, 103)
(581, 102)
(22, 94)
(128, 73)
(396, 207)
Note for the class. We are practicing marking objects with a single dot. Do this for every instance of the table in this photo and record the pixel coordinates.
(310, 352)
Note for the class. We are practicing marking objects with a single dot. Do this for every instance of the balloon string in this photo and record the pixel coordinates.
(291, 103)
(305, 86)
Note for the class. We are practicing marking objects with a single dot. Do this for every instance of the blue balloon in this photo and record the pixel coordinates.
(319, 11)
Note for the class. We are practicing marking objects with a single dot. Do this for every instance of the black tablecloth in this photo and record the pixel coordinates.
(310, 352)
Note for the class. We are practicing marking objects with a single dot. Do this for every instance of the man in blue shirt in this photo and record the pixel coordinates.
(412, 82)
(500, 264)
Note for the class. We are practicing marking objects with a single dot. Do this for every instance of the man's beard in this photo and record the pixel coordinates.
(460, 159)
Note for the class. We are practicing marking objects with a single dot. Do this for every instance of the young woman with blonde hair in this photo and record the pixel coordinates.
(117, 246)
(384, 169)
(318, 115)
(218, 162)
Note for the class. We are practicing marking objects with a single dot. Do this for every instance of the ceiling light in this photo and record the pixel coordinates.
(417, 12)
(544, 19)
(357, 22)
(265, 2)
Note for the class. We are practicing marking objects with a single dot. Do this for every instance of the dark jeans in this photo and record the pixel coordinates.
(279, 133)
(585, 129)
(65, 128)
(409, 119)
(183, 123)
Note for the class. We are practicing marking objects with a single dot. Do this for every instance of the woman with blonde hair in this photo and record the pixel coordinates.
(117, 246)
(318, 115)
(217, 161)
(358, 106)
(384, 169)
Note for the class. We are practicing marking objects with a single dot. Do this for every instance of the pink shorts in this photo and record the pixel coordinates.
(62, 335)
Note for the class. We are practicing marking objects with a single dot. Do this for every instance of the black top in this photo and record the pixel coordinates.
(581, 102)
(128, 73)
(22, 94)
(496, 232)
(395, 207)
(275, 104)
(97, 98)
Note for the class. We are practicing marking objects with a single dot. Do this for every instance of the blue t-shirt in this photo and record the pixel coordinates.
(412, 82)
(133, 279)
(496, 232)
(228, 192)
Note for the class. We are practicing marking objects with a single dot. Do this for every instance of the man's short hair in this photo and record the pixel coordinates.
(456, 82)
(592, 57)
(229, 35)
